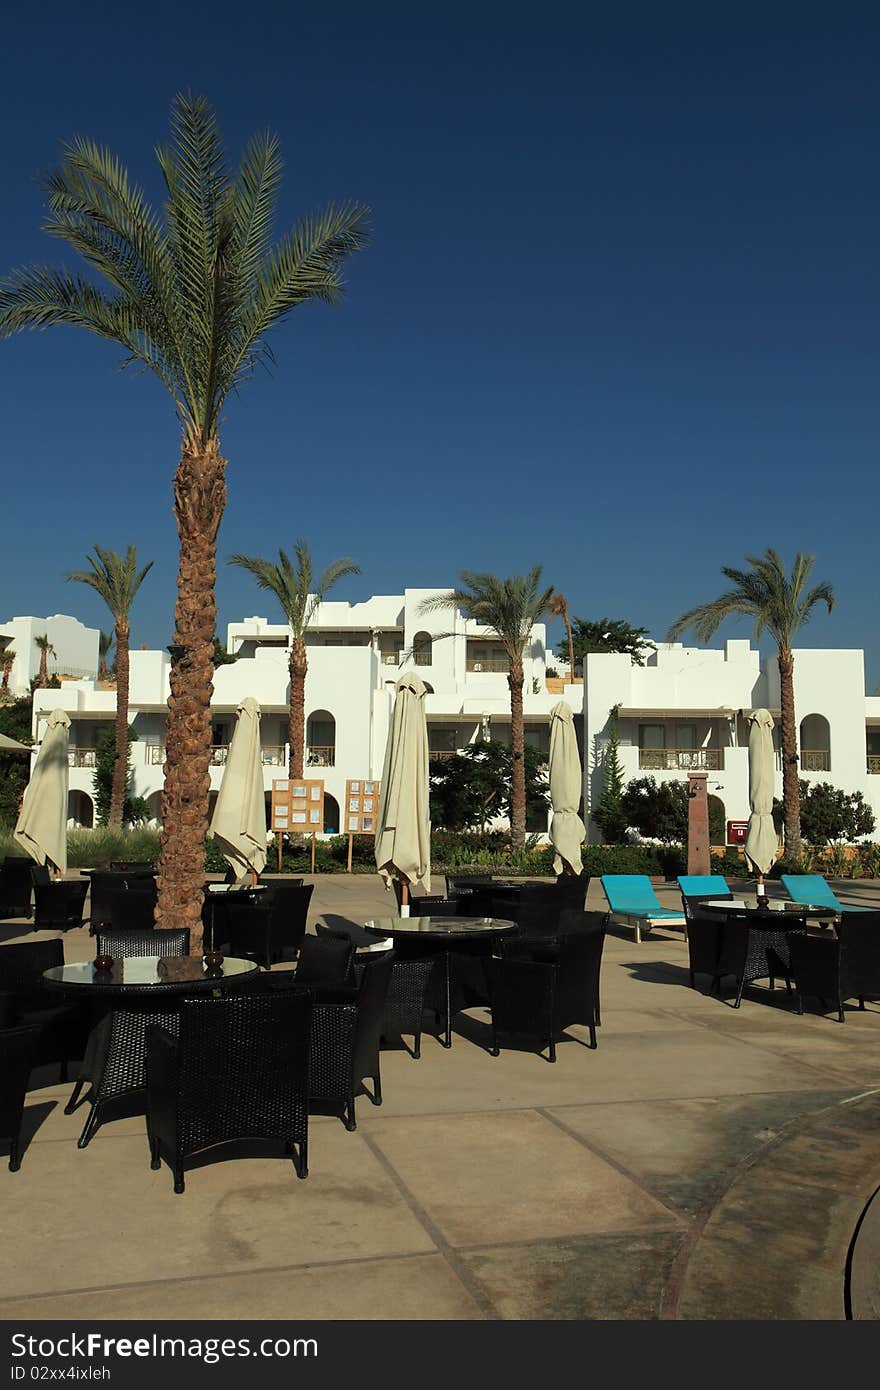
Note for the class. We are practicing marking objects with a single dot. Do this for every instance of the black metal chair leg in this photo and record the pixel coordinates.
(90, 1128)
(302, 1166)
(74, 1097)
(840, 1014)
(179, 1184)
(800, 1003)
(14, 1156)
(862, 1002)
(552, 1049)
(155, 1160)
(739, 993)
(417, 1045)
(349, 1116)
(376, 1097)
(593, 1042)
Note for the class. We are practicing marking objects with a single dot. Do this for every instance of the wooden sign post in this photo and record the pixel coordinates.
(361, 809)
(297, 804)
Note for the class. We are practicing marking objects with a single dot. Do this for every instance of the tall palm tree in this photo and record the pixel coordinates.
(105, 642)
(117, 579)
(559, 609)
(46, 650)
(191, 296)
(509, 608)
(780, 605)
(291, 583)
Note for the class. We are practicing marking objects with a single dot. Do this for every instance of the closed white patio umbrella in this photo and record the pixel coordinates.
(761, 840)
(567, 831)
(42, 823)
(403, 829)
(239, 820)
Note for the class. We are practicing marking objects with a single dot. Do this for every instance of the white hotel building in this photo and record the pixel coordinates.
(684, 710)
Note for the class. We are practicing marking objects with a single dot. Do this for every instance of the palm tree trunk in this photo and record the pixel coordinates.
(570, 646)
(43, 675)
(299, 665)
(120, 766)
(199, 500)
(518, 774)
(791, 801)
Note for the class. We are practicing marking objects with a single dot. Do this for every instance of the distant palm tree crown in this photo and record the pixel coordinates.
(777, 603)
(116, 578)
(509, 607)
(292, 582)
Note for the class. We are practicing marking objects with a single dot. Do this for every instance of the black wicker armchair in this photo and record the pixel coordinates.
(287, 902)
(848, 968)
(142, 941)
(346, 1032)
(324, 960)
(238, 1070)
(59, 906)
(408, 988)
(17, 1051)
(62, 1029)
(16, 886)
(542, 996)
(705, 936)
(133, 908)
(750, 953)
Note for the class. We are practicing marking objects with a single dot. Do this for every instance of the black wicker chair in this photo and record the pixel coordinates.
(408, 989)
(324, 960)
(133, 908)
(288, 906)
(543, 996)
(17, 1050)
(705, 937)
(750, 953)
(238, 1070)
(848, 968)
(59, 906)
(131, 866)
(103, 888)
(461, 885)
(16, 885)
(142, 941)
(62, 1028)
(40, 875)
(346, 1032)
(242, 929)
(431, 906)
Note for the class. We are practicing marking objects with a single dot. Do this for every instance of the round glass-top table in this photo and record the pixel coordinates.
(774, 915)
(443, 934)
(134, 993)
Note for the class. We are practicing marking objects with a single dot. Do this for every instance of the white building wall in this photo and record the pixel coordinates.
(76, 648)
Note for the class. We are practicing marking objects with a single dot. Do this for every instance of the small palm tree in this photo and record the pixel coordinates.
(117, 579)
(105, 642)
(291, 583)
(191, 296)
(7, 661)
(509, 608)
(46, 650)
(780, 605)
(559, 609)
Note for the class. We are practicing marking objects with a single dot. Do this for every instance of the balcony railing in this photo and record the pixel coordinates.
(319, 755)
(498, 664)
(815, 760)
(82, 757)
(423, 658)
(874, 762)
(681, 759)
(274, 756)
(442, 753)
(155, 754)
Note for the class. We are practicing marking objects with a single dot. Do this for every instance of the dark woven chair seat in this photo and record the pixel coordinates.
(62, 1029)
(543, 996)
(16, 886)
(59, 906)
(237, 1071)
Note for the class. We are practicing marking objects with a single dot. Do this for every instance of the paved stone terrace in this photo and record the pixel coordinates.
(702, 1163)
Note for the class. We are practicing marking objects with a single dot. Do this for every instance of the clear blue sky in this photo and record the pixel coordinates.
(619, 315)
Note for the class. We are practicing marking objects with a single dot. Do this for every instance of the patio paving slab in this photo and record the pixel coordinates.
(515, 1175)
(97, 1216)
(607, 1276)
(421, 1286)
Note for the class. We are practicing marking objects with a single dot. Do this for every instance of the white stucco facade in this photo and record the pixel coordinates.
(686, 709)
(75, 648)
(356, 654)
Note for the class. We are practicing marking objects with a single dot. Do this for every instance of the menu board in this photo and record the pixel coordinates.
(298, 804)
(361, 810)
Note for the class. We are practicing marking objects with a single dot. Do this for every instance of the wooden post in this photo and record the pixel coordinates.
(350, 844)
(280, 838)
(698, 861)
(314, 840)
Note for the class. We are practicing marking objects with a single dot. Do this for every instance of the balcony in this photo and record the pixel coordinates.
(874, 762)
(320, 755)
(442, 753)
(681, 759)
(497, 664)
(815, 760)
(274, 756)
(82, 757)
(155, 754)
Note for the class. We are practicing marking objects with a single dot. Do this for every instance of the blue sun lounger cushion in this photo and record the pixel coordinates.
(632, 898)
(703, 885)
(812, 888)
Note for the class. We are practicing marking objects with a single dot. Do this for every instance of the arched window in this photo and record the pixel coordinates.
(321, 739)
(80, 810)
(422, 649)
(815, 744)
(154, 801)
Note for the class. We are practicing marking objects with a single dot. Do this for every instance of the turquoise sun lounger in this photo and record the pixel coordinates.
(703, 885)
(631, 898)
(812, 888)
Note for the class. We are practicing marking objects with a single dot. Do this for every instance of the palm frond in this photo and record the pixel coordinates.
(115, 577)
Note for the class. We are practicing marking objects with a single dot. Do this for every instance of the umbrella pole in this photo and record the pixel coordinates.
(404, 898)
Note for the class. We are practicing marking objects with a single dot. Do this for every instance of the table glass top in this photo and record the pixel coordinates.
(780, 907)
(437, 926)
(148, 970)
